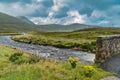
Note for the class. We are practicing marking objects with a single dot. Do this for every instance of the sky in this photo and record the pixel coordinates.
(93, 12)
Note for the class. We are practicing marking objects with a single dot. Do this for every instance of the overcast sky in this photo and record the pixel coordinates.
(97, 12)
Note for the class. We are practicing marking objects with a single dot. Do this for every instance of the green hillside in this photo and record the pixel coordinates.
(12, 24)
(25, 19)
(22, 24)
(64, 28)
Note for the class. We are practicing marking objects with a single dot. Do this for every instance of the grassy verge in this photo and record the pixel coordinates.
(81, 40)
(9, 33)
(44, 69)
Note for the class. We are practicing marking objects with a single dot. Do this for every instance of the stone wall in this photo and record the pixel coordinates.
(106, 47)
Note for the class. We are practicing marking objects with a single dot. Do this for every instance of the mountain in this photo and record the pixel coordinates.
(64, 28)
(23, 18)
(22, 24)
(13, 24)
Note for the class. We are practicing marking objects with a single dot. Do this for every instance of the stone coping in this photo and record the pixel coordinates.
(109, 36)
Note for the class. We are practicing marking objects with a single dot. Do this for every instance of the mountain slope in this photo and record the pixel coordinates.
(12, 24)
(23, 18)
(64, 28)
(22, 24)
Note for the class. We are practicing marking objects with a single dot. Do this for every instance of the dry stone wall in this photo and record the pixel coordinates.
(106, 47)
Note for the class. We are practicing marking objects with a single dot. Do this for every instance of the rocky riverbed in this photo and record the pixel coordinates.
(48, 51)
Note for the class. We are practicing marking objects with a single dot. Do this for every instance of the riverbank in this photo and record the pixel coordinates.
(44, 69)
(83, 40)
(111, 78)
(9, 33)
(48, 51)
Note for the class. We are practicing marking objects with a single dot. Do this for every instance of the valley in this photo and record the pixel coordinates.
(84, 39)
(44, 52)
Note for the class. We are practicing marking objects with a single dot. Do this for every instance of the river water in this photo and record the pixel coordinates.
(48, 51)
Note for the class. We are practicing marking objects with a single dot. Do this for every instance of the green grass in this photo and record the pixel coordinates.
(81, 40)
(45, 69)
(9, 33)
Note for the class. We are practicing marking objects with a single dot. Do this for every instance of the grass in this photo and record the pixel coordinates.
(45, 69)
(9, 33)
(80, 40)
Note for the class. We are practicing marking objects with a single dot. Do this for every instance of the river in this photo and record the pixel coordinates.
(48, 51)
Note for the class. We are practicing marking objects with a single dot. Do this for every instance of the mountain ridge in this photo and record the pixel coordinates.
(22, 24)
(64, 28)
(25, 19)
(13, 24)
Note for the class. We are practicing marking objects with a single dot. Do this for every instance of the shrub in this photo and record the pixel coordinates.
(87, 79)
(93, 43)
(15, 57)
(21, 60)
(33, 59)
(89, 71)
(18, 58)
(73, 62)
(88, 46)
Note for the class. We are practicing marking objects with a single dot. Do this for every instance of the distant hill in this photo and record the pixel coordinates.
(22, 24)
(26, 20)
(64, 28)
(13, 24)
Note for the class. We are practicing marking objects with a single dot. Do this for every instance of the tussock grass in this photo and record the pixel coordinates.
(81, 40)
(45, 69)
(9, 33)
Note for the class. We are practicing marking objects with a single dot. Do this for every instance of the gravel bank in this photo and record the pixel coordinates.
(111, 78)
(48, 51)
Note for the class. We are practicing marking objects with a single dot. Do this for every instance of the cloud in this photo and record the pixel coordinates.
(72, 17)
(109, 17)
(13, 1)
(39, 0)
(96, 12)
(75, 17)
(18, 9)
(57, 5)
